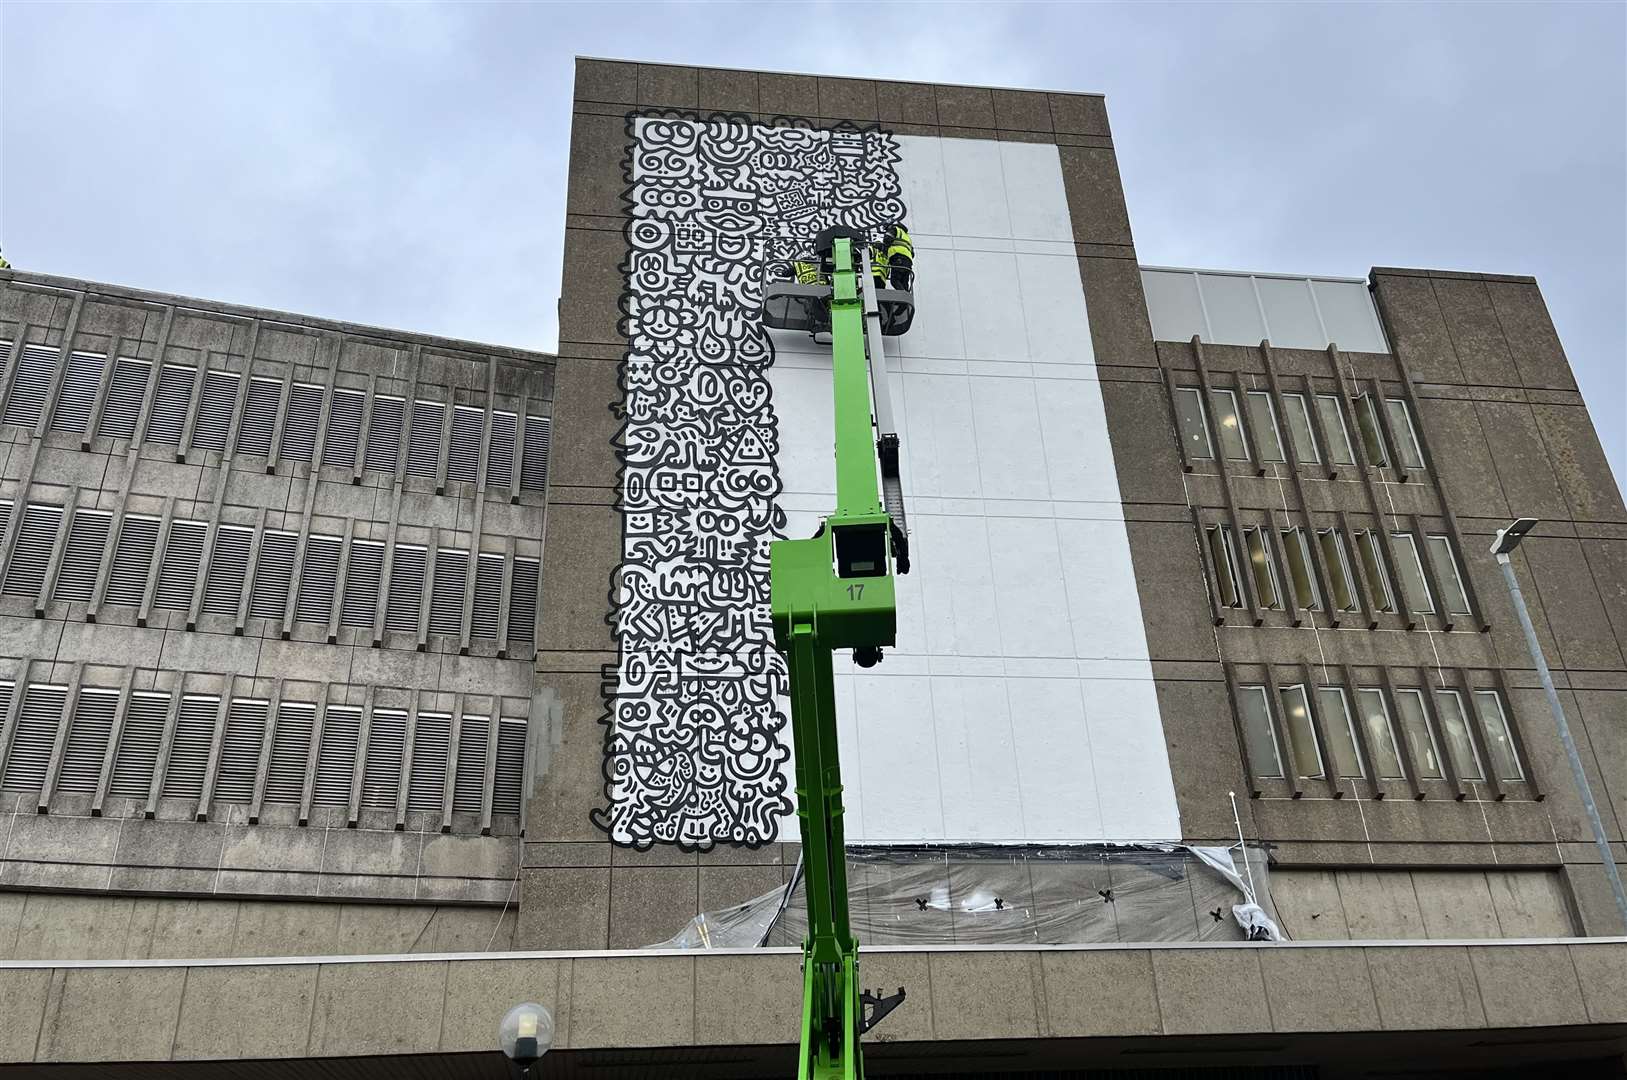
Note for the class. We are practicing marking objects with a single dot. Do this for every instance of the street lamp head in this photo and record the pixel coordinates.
(526, 1033)
(1508, 538)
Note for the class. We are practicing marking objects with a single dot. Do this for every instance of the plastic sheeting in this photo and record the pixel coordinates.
(1008, 895)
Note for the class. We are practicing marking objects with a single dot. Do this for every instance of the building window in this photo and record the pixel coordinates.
(1301, 572)
(1412, 573)
(1340, 581)
(1380, 733)
(1415, 720)
(1455, 724)
(1263, 417)
(1340, 451)
(1405, 433)
(1372, 437)
(1307, 748)
(1259, 737)
(1297, 413)
(1228, 426)
(1194, 434)
(1228, 574)
(1372, 564)
(1446, 574)
(1339, 727)
(1494, 722)
(1257, 542)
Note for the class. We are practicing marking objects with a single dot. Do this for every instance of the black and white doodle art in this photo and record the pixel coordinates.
(697, 734)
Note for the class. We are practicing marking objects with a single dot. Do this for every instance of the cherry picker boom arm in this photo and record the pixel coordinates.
(835, 591)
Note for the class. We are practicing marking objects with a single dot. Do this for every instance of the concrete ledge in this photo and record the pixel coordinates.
(288, 1007)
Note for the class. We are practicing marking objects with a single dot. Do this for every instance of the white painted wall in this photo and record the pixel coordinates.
(1019, 703)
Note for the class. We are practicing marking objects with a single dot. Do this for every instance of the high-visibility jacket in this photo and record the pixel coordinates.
(898, 243)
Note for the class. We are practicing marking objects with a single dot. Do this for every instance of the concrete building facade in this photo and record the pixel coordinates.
(327, 641)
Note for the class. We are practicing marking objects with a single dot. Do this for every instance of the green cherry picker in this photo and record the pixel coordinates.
(835, 591)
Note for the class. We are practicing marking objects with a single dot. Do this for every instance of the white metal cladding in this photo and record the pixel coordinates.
(362, 583)
(299, 427)
(522, 601)
(534, 463)
(500, 460)
(446, 598)
(171, 402)
(189, 749)
(132, 560)
(77, 395)
(228, 566)
(344, 429)
(37, 722)
(336, 757)
(318, 579)
(31, 554)
(510, 778)
(240, 750)
(125, 393)
(381, 773)
(406, 589)
(424, 442)
(463, 451)
(272, 572)
(178, 566)
(36, 368)
(290, 750)
(1227, 308)
(431, 744)
(82, 555)
(216, 404)
(137, 755)
(469, 784)
(488, 596)
(259, 416)
(87, 740)
(384, 432)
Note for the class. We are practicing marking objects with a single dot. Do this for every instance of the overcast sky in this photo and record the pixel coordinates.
(405, 166)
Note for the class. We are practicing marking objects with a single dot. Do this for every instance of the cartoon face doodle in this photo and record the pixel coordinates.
(696, 734)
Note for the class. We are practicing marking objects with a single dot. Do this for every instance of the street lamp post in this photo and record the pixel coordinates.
(526, 1033)
(1508, 538)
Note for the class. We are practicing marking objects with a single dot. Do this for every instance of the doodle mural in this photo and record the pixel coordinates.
(695, 752)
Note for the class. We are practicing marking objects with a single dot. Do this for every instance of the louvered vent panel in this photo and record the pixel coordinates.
(5, 516)
(431, 743)
(137, 755)
(87, 740)
(318, 579)
(469, 785)
(290, 750)
(362, 583)
(463, 451)
(424, 445)
(132, 560)
(381, 774)
(189, 749)
(510, 778)
(31, 555)
(299, 429)
(406, 589)
(259, 416)
(215, 407)
(82, 556)
(384, 433)
(77, 397)
(269, 597)
(125, 393)
(37, 723)
(500, 461)
(178, 566)
(446, 601)
(534, 463)
(240, 750)
(344, 430)
(228, 566)
(171, 402)
(522, 601)
(336, 758)
(35, 371)
(488, 596)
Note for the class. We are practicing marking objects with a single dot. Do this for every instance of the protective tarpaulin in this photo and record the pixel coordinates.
(1011, 895)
